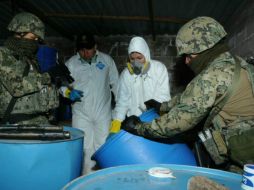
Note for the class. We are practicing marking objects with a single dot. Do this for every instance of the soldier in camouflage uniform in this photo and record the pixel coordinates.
(26, 95)
(222, 91)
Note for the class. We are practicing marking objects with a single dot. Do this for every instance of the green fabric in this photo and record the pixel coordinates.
(203, 59)
(241, 147)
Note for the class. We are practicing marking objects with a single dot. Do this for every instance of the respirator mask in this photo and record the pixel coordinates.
(137, 68)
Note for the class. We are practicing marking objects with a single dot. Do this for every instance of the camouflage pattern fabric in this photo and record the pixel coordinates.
(34, 92)
(167, 106)
(27, 22)
(198, 35)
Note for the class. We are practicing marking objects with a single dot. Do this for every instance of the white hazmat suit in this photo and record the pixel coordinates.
(134, 89)
(93, 113)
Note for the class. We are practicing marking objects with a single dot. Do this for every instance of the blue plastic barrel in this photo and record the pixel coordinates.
(137, 177)
(124, 148)
(46, 57)
(40, 165)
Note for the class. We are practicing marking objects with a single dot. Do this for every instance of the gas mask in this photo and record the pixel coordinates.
(138, 68)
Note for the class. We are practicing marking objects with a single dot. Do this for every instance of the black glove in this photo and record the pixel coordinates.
(60, 73)
(129, 124)
(153, 104)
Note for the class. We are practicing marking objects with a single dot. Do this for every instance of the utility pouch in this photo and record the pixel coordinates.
(210, 145)
(241, 147)
(220, 142)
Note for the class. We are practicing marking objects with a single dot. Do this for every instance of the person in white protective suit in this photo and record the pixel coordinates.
(96, 75)
(143, 85)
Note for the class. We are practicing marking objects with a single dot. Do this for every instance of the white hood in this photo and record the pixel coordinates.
(138, 44)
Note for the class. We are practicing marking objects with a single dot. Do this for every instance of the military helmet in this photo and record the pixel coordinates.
(198, 35)
(27, 22)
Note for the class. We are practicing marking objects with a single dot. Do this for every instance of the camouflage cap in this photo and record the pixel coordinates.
(198, 35)
(27, 22)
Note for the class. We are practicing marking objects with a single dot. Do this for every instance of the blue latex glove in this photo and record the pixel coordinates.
(76, 95)
(149, 115)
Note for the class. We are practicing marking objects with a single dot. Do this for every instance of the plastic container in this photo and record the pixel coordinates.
(137, 177)
(46, 57)
(149, 115)
(40, 165)
(124, 148)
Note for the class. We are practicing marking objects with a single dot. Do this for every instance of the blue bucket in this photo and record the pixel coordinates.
(46, 57)
(40, 165)
(136, 177)
(124, 148)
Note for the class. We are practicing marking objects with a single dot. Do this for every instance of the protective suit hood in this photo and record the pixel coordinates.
(138, 44)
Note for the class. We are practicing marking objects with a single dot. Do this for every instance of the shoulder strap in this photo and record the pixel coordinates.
(13, 100)
(219, 105)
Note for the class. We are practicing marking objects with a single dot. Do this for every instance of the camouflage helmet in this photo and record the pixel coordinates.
(27, 22)
(198, 35)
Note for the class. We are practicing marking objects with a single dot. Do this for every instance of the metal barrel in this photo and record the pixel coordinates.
(35, 135)
(21, 128)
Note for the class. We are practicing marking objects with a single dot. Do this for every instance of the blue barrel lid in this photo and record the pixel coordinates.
(136, 177)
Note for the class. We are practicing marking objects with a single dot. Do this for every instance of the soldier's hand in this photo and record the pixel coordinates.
(129, 124)
(153, 104)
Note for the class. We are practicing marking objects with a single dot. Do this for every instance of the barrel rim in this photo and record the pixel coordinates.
(140, 167)
(109, 142)
(79, 136)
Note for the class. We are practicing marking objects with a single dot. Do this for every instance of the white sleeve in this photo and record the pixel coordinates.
(123, 97)
(114, 76)
(64, 87)
(162, 89)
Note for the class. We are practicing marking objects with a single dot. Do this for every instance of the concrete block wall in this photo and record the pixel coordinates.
(241, 30)
(65, 47)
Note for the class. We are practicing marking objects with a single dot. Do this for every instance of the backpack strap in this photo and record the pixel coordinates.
(10, 107)
(220, 104)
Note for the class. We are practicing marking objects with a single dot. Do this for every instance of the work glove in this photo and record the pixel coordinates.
(60, 73)
(115, 126)
(153, 104)
(129, 124)
(74, 95)
(149, 115)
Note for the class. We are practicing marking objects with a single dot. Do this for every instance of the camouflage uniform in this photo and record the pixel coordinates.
(34, 92)
(209, 85)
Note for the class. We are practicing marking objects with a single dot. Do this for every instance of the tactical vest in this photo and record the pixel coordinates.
(231, 134)
(30, 105)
